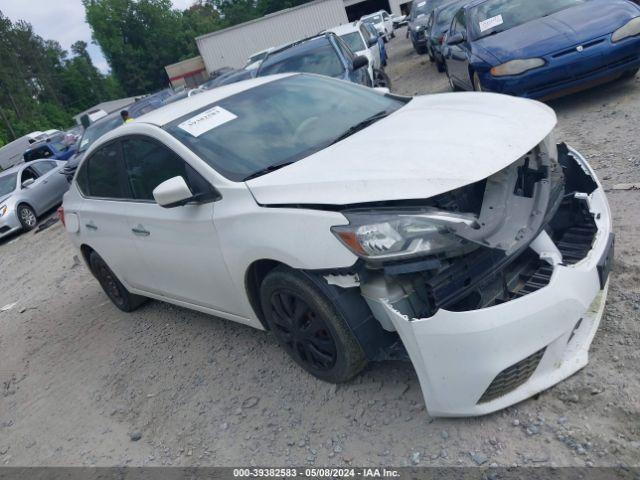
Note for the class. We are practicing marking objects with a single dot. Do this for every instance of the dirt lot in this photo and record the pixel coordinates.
(79, 378)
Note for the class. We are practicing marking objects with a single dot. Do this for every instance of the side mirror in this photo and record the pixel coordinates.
(28, 182)
(372, 41)
(172, 193)
(359, 62)
(456, 39)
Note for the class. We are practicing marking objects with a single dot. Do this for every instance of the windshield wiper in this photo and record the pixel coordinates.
(265, 170)
(361, 125)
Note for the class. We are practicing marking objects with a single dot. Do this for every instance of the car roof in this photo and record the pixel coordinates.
(21, 166)
(173, 111)
(346, 28)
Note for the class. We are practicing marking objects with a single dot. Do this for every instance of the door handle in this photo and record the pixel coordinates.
(91, 226)
(140, 231)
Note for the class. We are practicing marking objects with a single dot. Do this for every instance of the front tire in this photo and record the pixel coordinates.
(381, 79)
(475, 80)
(115, 290)
(27, 217)
(310, 327)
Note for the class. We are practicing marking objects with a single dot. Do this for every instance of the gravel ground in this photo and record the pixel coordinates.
(84, 384)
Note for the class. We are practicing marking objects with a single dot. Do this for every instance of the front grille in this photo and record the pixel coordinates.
(513, 377)
(571, 50)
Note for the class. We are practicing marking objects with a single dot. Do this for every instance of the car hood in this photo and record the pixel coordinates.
(570, 27)
(430, 146)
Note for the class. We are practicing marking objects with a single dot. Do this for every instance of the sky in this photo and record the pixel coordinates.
(62, 20)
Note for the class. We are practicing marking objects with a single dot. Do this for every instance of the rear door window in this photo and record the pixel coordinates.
(102, 175)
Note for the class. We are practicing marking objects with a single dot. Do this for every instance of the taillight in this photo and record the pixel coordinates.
(61, 215)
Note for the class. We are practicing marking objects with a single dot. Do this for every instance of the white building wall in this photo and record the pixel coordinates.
(232, 46)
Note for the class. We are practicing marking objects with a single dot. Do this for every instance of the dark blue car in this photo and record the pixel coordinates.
(325, 54)
(543, 48)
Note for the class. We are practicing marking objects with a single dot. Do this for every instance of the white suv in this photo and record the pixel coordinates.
(361, 42)
(383, 23)
(326, 213)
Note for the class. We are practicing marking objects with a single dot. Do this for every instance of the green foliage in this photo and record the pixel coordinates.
(140, 37)
(40, 87)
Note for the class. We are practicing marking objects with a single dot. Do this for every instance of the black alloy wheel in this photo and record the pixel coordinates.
(302, 332)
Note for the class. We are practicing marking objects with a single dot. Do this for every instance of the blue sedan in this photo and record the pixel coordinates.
(542, 49)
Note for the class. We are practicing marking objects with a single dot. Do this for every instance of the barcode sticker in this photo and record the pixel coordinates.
(489, 23)
(207, 120)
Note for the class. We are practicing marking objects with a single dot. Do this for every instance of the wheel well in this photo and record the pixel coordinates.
(256, 273)
(27, 204)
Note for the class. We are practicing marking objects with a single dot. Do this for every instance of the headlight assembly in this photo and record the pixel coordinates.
(3, 210)
(630, 29)
(401, 234)
(516, 67)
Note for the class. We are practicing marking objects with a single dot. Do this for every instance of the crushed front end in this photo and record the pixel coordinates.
(513, 310)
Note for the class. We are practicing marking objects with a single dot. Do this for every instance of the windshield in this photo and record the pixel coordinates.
(354, 40)
(95, 131)
(375, 19)
(8, 184)
(420, 10)
(495, 16)
(322, 59)
(277, 123)
(256, 57)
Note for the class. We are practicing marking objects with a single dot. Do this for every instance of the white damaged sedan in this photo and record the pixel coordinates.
(450, 230)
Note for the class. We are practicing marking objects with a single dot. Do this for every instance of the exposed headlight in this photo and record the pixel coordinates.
(516, 67)
(401, 234)
(3, 210)
(631, 29)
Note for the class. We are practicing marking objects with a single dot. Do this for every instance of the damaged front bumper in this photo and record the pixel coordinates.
(476, 361)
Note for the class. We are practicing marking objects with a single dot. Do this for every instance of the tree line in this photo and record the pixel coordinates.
(42, 86)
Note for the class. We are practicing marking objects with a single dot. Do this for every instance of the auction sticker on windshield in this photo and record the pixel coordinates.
(490, 23)
(207, 120)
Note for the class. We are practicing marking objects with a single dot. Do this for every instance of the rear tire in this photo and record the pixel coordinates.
(310, 327)
(115, 290)
(420, 50)
(630, 74)
(27, 217)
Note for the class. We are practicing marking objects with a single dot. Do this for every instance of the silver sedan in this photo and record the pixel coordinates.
(27, 191)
